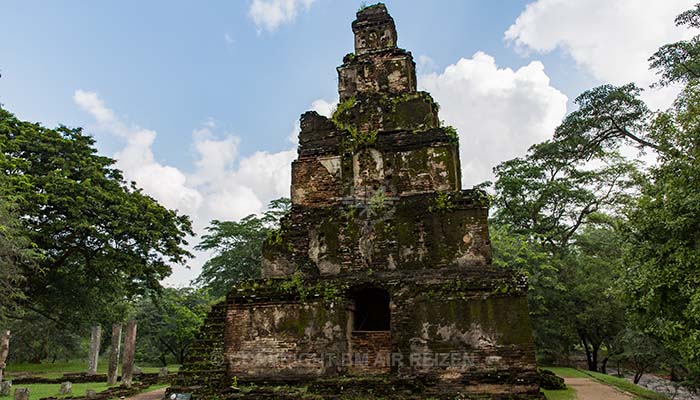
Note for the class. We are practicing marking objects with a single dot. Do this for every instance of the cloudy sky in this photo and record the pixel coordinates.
(199, 102)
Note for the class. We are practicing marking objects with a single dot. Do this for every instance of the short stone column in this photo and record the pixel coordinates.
(129, 352)
(90, 394)
(6, 388)
(94, 355)
(114, 349)
(21, 394)
(4, 351)
(66, 388)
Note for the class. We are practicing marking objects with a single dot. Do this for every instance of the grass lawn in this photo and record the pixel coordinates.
(45, 390)
(627, 386)
(566, 394)
(566, 372)
(622, 384)
(57, 369)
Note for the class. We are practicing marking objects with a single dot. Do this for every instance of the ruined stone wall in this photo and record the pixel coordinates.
(287, 339)
(204, 368)
(378, 215)
(427, 231)
(450, 326)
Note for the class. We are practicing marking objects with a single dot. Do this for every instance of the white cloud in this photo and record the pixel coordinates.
(229, 40)
(321, 106)
(222, 184)
(425, 65)
(610, 40)
(498, 112)
(270, 14)
(165, 183)
(324, 107)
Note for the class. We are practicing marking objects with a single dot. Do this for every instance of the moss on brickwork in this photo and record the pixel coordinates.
(357, 115)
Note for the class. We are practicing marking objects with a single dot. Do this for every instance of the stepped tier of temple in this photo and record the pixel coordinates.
(379, 282)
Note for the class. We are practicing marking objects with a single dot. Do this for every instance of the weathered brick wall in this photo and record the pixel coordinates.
(416, 232)
(283, 340)
(204, 366)
(387, 72)
(369, 352)
(374, 31)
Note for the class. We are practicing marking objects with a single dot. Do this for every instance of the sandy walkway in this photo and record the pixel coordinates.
(154, 395)
(588, 389)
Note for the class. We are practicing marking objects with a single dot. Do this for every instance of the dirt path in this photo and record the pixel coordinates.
(588, 389)
(154, 395)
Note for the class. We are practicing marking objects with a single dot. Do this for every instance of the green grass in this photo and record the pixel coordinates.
(566, 394)
(627, 386)
(619, 383)
(566, 372)
(38, 391)
(57, 369)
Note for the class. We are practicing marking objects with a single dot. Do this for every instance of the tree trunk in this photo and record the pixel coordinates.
(604, 365)
(129, 352)
(114, 348)
(4, 351)
(594, 358)
(94, 355)
(590, 355)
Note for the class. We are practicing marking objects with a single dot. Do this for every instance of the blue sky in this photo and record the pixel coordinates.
(168, 66)
(197, 101)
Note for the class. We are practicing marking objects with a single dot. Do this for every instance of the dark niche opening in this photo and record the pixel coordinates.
(371, 310)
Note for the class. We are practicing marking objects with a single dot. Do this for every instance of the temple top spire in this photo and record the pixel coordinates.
(374, 29)
(377, 65)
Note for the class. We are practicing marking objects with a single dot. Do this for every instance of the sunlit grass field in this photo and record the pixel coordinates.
(57, 369)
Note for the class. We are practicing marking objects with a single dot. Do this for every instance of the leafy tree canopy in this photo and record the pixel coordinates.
(102, 239)
(168, 324)
(237, 248)
(551, 192)
(17, 253)
(679, 62)
(662, 281)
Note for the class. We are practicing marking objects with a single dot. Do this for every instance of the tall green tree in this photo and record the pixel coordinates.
(168, 324)
(554, 334)
(237, 248)
(102, 239)
(17, 254)
(595, 310)
(545, 202)
(679, 62)
(662, 281)
(551, 192)
(661, 274)
(607, 117)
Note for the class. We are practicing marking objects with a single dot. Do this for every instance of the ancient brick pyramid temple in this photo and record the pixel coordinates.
(379, 282)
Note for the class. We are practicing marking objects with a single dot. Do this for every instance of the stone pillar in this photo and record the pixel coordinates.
(5, 388)
(65, 389)
(4, 351)
(129, 351)
(93, 357)
(114, 349)
(21, 394)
